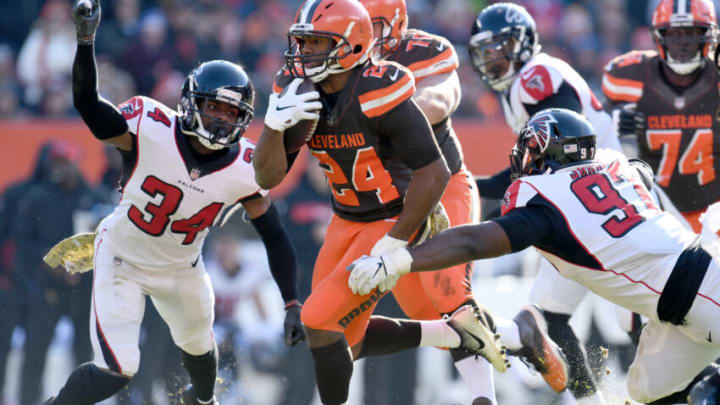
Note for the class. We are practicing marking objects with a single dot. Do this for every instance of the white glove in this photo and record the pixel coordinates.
(382, 272)
(288, 108)
(386, 244)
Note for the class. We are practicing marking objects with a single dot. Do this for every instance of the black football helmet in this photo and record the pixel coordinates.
(221, 81)
(502, 31)
(550, 140)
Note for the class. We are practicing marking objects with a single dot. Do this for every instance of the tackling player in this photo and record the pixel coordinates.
(386, 174)
(505, 50)
(432, 61)
(668, 101)
(593, 218)
(184, 171)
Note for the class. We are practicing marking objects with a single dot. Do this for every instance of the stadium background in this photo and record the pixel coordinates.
(147, 46)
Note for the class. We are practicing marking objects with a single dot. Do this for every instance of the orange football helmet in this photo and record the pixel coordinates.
(392, 14)
(697, 17)
(345, 22)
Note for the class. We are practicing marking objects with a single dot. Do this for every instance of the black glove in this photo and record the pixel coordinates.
(86, 16)
(628, 121)
(294, 331)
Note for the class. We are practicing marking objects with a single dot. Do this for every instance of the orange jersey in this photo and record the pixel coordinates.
(427, 55)
(682, 137)
(364, 170)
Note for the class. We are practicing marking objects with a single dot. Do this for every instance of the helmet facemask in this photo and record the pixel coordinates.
(526, 158)
(318, 66)
(685, 48)
(386, 43)
(494, 57)
(214, 133)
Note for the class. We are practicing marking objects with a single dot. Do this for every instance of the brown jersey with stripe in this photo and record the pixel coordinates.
(426, 55)
(367, 177)
(682, 137)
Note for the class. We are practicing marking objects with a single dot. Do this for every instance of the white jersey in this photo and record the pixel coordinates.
(539, 79)
(170, 201)
(612, 238)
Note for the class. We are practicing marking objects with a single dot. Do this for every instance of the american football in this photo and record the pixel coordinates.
(296, 136)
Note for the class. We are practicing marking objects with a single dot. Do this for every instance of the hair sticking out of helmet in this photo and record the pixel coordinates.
(552, 139)
(218, 81)
(502, 39)
(391, 16)
(345, 23)
(685, 32)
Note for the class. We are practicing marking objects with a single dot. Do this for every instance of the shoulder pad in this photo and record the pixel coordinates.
(383, 86)
(623, 77)
(538, 83)
(517, 195)
(427, 54)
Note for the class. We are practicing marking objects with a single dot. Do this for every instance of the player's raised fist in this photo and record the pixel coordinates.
(86, 16)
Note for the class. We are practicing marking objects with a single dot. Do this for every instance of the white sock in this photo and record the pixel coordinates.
(478, 376)
(594, 399)
(509, 334)
(439, 334)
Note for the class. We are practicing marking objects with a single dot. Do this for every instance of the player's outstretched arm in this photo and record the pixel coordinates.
(282, 259)
(453, 246)
(102, 118)
(438, 96)
(269, 159)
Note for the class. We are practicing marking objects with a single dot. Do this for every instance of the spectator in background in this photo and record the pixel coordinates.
(11, 308)
(115, 85)
(46, 56)
(151, 50)
(121, 30)
(239, 271)
(47, 211)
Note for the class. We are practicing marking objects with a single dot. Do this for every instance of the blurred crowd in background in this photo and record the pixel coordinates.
(147, 47)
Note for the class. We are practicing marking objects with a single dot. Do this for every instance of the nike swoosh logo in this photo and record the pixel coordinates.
(394, 75)
(195, 262)
(277, 107)
(440, 47)
(709, 338)
(378, 269)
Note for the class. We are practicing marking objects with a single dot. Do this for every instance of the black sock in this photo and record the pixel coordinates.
(581, 382)
(202, 371)
(88, 385)
(333, 369)
(389, 335)
(681, 397)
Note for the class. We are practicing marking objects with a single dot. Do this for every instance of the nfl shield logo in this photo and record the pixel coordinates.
(194, 174)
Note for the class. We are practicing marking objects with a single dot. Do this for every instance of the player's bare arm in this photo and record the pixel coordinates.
(438, 96)
(102, 118)
(269, 159)
(413, 139)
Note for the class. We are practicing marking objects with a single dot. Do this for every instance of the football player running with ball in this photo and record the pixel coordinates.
(184, 171)
(592, 217)
(386, 173)
(432, 61)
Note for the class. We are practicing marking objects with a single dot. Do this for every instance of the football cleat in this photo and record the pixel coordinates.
(539, 350)
(475, 329)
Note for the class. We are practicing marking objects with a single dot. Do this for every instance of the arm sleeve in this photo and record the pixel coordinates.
(280, 252)
(410, 134)
(101, 117)
(565, 97)
(494, 186)
(526, 226)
